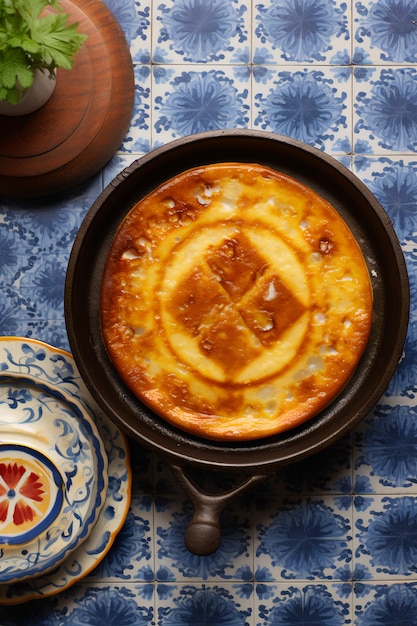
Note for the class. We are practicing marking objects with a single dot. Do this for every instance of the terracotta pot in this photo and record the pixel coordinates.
(36, 96)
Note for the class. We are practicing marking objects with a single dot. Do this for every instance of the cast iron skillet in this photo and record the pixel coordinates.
(254, 461)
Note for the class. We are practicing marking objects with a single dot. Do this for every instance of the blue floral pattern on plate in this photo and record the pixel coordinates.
(341, 75)
(42, 420)
(55, 372)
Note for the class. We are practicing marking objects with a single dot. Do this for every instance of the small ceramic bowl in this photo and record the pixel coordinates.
(53, 476)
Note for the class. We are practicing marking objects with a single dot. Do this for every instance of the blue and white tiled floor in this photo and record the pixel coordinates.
(331, 541)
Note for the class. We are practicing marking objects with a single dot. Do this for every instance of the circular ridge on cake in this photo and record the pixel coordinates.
(235, 302)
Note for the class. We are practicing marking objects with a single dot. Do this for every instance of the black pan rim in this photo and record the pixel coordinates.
(273, 452)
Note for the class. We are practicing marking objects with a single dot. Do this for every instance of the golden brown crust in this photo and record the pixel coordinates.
(235, 302)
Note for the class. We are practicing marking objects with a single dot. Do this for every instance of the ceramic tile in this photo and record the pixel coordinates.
(305, 538)
(385, 602)
(141, 33)
(307, 104)
(83, 602)
(196, 31)
(393, 181)
(188, 100)
(202, 604)
(385, 536)
(384, 110)
(386, 448)
(138, 137)
(42, 229)
(297, 603)
(384, 32)
(52, 332)
(119, 603)
(313, 32)
(12, 311)
(133, 17)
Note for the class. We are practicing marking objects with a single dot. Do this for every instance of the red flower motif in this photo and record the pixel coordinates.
(11, 473)
(18, 486)
(32, 488)
(23, 513)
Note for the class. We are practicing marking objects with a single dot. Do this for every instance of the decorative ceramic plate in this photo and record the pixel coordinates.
(53, 476)
(55, 369)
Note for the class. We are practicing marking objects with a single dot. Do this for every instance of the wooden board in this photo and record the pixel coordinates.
(83, 124)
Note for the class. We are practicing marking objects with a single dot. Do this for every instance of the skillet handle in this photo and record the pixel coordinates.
(203, 534)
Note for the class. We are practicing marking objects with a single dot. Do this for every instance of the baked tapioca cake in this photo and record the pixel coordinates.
(235, 302)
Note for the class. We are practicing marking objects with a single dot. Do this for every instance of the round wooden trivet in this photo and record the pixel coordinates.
(83, 124)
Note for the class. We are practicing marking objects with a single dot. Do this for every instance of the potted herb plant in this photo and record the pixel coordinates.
(36, 38)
